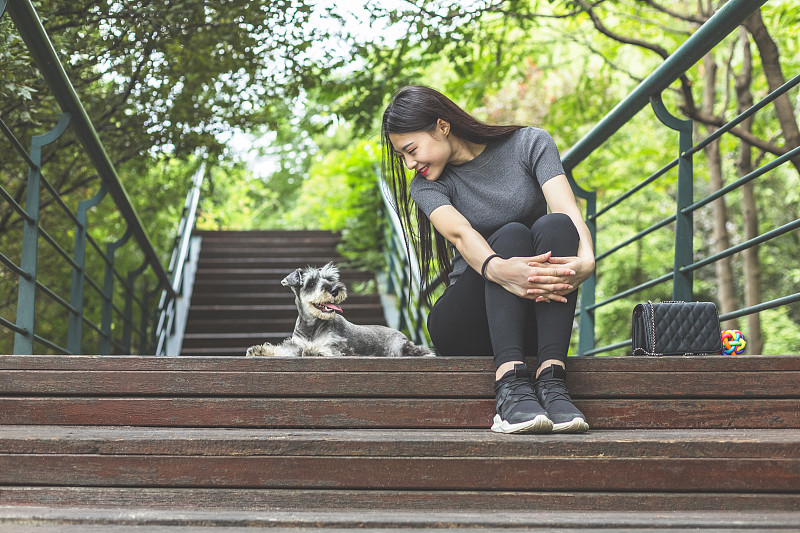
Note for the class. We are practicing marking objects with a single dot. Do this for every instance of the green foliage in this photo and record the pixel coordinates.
(341, 194)
(781, 334)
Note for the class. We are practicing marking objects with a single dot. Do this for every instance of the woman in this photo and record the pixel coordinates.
(515, 270)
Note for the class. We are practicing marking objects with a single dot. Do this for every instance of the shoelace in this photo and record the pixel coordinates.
(515, 396)
(555, 390)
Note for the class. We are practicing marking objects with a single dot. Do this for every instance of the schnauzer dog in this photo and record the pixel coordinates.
(321, 330)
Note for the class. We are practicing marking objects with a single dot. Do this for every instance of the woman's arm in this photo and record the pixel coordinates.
(560, 199)
(515, 274)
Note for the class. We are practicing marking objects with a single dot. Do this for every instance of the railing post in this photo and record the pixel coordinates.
(26, 300)
(75, 330)
(104, 347)
(682, 279)
(586, 337)
(128, 318)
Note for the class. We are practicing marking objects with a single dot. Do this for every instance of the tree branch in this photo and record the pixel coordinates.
(680, 16)
(599, 26)
(711, 120)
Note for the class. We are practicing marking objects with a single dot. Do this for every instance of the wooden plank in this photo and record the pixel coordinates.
(700, 363)
(461, 473)
(774, 363)
(260, 272)
(247, 384)
(699, 414)
(742, 444)
(126, 520)
(268, 298)
(240, 412)
(286, 263)
(286, 499)
(244, 364)
(277, 251)
(385, 413)
(683, 385)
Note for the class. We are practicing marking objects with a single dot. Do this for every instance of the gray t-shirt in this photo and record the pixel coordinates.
(502, 184)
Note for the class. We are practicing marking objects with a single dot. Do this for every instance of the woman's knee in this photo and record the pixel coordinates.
(556, 230)
(512, 240)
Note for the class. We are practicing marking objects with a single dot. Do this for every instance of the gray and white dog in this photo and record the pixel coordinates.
(321, 330)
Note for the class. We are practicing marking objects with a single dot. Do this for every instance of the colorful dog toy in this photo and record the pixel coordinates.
(733, 342)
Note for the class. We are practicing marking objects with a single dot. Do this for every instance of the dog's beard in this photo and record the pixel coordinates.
(325, 308)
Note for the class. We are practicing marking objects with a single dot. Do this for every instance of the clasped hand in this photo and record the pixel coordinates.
(543, 277)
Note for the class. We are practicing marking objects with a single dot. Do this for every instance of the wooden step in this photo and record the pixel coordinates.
(268, 275)
(614, 392)
(239, 325)
(287, 264)
(224, 339)
(382, 443)
(356, 313)
(269, 298)
(298, 500)
(735, 461)
(159, 521)
(328, 253)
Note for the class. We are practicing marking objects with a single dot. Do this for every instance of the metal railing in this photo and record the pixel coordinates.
(649, 91)
(402, 278)
(719, 26)
(177, 266)
(118, 324)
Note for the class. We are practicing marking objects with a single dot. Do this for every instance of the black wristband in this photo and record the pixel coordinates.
(486, 263)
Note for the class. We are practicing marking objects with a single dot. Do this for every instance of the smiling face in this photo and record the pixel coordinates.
(424, 152)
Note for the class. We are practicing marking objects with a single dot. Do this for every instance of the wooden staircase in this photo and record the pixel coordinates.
(215, 440)
(679, 443)
(238, 299)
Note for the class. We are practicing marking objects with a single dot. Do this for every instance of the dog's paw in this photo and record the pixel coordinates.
(414, 350)
(261, 350)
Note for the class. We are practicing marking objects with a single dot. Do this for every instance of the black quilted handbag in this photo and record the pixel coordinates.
(675, 328)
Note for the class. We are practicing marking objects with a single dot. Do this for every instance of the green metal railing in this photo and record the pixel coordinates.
(403, 278)
(719, 26)
(649, 91)
(118, 325)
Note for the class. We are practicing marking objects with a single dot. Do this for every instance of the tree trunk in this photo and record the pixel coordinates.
(770, 62)
(725, 287)
(744, 165)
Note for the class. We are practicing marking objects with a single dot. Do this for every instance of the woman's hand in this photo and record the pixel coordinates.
(532, 277)
(581, 268)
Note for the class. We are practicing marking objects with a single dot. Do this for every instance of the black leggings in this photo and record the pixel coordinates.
(479, 317)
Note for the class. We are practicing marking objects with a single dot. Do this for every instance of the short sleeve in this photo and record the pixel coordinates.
(545, 161)
(428, 195)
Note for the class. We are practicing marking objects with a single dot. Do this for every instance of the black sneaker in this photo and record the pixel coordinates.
(551, 390)
(518, 410)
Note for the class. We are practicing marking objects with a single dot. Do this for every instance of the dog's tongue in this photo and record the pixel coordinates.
(335, 307)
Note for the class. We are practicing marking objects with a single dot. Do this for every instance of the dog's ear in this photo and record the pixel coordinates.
(294, 280)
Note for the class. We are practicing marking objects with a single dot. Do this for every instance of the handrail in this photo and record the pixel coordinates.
(695, 47)
(727, 19)
(180, 256)
(411, 305)
(41, 48)
(114, 284)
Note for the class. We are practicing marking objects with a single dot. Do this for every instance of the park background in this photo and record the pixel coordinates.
(282, 100)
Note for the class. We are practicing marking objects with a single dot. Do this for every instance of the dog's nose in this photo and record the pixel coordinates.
(334, 292)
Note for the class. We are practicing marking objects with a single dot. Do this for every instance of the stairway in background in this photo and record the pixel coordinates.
(238, 299)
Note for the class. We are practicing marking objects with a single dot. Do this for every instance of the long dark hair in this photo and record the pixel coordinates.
(417, 108)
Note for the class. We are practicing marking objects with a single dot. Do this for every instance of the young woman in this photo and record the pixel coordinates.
(514, 272)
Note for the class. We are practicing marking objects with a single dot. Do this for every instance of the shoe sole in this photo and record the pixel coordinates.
(540, 424)
(576, 425)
